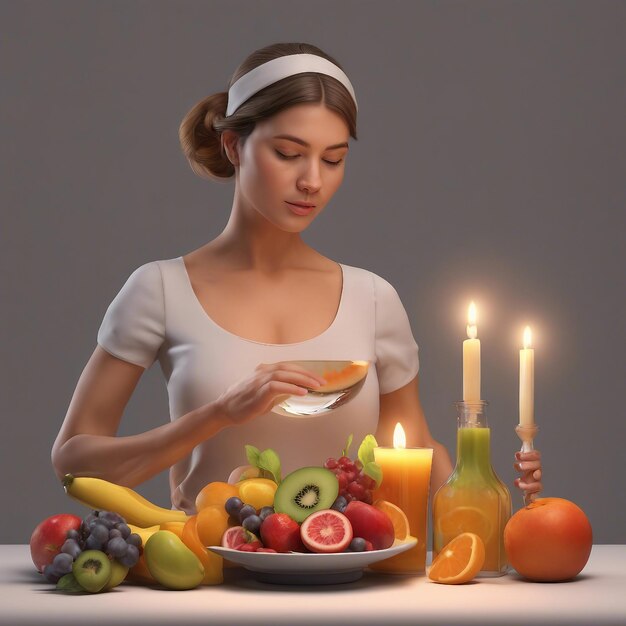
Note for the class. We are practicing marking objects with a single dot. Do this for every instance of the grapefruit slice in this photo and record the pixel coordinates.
(326, 531)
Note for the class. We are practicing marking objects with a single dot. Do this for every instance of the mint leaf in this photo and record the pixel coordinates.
(268, 460)
(366, 449)
(346, 449)
(252, 454)
(69, 584)
(373, 470)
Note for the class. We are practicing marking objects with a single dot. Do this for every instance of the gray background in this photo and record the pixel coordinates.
(487, 167)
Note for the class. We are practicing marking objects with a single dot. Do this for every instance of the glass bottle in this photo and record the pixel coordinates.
(473, 499)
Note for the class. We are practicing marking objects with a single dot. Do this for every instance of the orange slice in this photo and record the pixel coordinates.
(459, 561)
(398, 517)
(464, 519)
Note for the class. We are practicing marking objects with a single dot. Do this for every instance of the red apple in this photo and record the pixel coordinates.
(371, 524)
(49, 536)
(549, 540)
(280, 532)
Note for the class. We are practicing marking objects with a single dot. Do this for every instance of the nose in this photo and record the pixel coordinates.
(310, 179)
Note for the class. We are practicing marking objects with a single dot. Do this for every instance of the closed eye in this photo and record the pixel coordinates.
(295, 156)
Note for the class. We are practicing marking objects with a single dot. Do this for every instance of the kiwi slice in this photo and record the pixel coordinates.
(92, 570)
(305, 491)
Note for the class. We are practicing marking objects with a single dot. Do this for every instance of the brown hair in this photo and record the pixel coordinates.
(201, 129)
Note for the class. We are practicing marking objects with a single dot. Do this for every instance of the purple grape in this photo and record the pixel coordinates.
(252, 523)
(112, 517)
(92, 543)
(124, 529)
(246, 511)
(73, 534)
(91, 517)
(62, 563)
(340, 504)
(71, 547)
(357, 544)
(116, 547)
(114, 532)
(131, 557)
(100, 532)
(266, 511)
(233, 505)
(134, 540)
(50, 574)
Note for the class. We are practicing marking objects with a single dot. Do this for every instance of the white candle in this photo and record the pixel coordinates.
(471, 359)
(527, 381)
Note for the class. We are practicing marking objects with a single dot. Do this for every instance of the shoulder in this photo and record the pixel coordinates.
(381, 286)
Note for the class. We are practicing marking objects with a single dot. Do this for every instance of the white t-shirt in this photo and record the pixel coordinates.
(157, 316)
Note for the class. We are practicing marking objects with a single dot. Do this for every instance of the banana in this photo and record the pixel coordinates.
(103, 495)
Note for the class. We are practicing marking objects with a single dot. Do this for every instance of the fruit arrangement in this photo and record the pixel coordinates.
(89, 555)
(312, 509)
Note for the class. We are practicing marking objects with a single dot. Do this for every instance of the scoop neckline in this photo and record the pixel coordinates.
(207, 317)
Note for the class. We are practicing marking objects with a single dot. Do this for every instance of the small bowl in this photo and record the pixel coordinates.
(344, 380)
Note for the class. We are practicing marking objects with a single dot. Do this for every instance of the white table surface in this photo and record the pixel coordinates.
(596, 598)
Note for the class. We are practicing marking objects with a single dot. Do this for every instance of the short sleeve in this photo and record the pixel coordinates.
(133, 326)
(397, 361)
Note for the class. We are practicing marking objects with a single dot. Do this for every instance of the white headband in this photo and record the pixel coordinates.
(279, 68)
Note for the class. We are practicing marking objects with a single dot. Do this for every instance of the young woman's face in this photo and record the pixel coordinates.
(296, 157)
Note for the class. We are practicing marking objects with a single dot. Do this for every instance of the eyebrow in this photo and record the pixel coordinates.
(306, 145)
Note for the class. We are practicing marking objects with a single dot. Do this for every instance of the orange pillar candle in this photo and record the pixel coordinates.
(406, 481)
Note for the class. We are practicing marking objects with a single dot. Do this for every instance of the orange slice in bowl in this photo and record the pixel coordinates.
(398, 517)
(459, 561)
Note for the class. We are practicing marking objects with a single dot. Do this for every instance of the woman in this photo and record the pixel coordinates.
(223, 319)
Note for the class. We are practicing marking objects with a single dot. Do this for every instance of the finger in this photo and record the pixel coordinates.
(275, 388)
(527, 466)
(292, 367)
(533, 455)
(534, 487)
(302, 379)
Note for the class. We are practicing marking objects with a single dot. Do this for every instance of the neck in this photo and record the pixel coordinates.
(252, 242)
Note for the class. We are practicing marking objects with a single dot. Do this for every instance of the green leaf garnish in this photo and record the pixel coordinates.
(267, 461)
(346, 449)
(366, 449)
(69, 584)
(366, 456)
(373, 470)
(252, 454)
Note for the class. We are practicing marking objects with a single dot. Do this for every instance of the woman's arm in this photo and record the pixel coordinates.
(403, 405)
(87, 444)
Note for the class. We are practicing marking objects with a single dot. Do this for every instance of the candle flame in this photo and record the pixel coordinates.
(527, 337)
(471, 321)
(399, 438)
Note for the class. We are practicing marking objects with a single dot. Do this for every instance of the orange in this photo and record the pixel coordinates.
(175, 527)
(212, 563)
(459, 561)
(215, 493)
(397, 516)
(212, 523)
(465, 519)
(258, 492)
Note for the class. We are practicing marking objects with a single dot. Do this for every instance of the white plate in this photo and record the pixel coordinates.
(297, 568)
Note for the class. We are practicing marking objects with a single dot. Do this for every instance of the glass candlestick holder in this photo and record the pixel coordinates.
(527, 433)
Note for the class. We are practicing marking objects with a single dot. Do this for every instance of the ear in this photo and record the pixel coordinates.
(230, 144)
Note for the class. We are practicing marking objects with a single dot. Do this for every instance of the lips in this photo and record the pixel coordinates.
(300, 209)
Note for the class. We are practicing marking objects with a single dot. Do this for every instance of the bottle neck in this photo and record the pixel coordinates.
(473, 448)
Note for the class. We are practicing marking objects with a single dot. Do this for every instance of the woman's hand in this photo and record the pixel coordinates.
(267, 386)
(529, 465)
